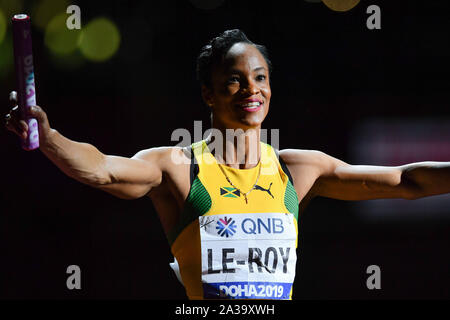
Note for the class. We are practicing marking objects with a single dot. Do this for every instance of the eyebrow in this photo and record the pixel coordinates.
(237, 71)
(259, 68)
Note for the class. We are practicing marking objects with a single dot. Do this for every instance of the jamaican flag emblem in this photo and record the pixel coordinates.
(229, 192)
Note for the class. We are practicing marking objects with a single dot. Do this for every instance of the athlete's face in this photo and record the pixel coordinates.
(240, 93)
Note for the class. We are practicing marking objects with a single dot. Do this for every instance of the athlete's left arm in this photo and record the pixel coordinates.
(339, 180)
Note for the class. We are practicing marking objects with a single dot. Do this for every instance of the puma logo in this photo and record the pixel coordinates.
(266, 190)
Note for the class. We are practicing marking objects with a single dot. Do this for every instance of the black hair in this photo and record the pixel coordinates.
(214, 52)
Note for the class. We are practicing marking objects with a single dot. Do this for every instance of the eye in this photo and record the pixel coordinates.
(261, 77)
(233, 79)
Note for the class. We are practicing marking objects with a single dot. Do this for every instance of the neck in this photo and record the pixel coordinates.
(238, 148)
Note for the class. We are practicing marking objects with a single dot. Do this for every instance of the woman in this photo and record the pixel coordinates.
(230, 211)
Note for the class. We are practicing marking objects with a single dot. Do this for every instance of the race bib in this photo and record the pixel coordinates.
(248, 256)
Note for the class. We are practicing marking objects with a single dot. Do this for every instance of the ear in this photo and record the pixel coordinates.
(207, 95)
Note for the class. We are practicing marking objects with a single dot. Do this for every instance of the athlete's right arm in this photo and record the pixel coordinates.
(126, 178)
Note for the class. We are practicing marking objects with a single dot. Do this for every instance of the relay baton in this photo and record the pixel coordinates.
(23, 60)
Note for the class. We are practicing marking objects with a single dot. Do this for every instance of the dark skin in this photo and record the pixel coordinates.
(242, 75)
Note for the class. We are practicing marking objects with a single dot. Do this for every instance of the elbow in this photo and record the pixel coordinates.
(91, 180)
(124, 192)
(95, 176)
(96, 180)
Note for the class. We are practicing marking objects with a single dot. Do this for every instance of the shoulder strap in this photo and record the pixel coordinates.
(284, 166)
(194, 166)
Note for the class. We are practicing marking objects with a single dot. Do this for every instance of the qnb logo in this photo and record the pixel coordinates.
(259, 226)
(226, 227)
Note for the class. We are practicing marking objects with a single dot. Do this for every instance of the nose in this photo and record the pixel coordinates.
(252, 87)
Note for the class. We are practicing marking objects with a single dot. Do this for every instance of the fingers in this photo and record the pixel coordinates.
(14, 115)
(13, 98)
(14, 119)
(39, 114)
(16, 125)
(14, 112)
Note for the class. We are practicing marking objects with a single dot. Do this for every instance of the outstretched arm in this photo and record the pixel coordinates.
(126, 178)
(336, 179)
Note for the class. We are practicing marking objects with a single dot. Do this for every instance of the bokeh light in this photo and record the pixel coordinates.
(45, 10)
(3, 26)
(58, 38)
(100, 39)
(341, 5)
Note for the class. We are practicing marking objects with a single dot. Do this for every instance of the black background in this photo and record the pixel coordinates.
(330, 71)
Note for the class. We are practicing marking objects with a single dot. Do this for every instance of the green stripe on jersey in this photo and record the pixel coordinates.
(197, 204)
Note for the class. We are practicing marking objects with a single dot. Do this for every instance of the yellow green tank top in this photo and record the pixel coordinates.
(227, 248)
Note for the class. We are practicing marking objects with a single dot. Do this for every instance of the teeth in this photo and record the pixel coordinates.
(252, 104)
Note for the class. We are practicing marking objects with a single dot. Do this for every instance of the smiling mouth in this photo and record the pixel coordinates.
(251, 106)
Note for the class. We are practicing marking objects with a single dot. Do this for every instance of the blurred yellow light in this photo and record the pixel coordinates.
(3, 26)
(58, 38)
(45, 10)
(341, 5)
(100, 39)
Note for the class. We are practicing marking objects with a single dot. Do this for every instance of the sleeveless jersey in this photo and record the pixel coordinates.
(225, 248)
